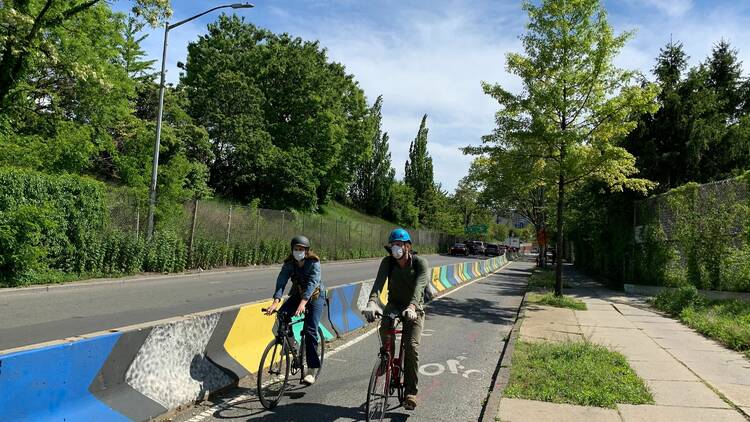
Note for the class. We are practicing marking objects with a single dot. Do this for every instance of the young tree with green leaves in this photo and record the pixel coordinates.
(575, 105)
(510, 184)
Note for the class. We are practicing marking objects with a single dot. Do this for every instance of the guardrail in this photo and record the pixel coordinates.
(141, 372)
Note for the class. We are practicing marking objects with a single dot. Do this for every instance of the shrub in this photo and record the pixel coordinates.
(674, 301)
(46, 222)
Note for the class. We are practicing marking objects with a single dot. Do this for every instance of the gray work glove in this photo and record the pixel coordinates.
(409, 314)
(372, 311)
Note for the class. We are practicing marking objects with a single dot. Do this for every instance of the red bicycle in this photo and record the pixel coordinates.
(387, 377)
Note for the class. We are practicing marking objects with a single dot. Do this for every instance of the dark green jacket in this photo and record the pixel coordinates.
(406, 285)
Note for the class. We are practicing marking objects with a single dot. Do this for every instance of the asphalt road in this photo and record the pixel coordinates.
(38, 315)
(464, 334)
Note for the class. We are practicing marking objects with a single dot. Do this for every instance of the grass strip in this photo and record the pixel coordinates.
(726, 321)
(550, 299)
(579, 373)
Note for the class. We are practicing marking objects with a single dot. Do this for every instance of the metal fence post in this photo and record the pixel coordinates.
(257, 235)
(229, 231)
(336, 241)
(137, 217)
(321, 231)
(282, 224)
(192, 233)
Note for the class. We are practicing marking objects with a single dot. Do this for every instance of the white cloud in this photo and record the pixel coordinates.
(674, 8)
(433, 64)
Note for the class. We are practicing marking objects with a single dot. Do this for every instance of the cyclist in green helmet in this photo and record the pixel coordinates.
(408, 276)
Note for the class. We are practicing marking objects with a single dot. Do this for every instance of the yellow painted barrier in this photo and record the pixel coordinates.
(249, 335)
(384, 293)
(436, 279)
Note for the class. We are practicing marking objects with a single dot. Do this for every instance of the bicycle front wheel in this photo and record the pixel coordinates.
(377, 392)
(273, 373)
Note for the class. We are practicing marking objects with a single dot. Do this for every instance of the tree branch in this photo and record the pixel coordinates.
(72, 12)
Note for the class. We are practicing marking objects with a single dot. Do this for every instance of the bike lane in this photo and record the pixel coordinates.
(463, 336)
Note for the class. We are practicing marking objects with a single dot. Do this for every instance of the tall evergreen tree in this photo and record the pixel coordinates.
(371, 190)
(418, 170)
(725, 77)
(659, 139)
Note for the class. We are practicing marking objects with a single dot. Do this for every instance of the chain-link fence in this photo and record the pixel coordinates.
(695, 234)
(705, 203)
(217, 233)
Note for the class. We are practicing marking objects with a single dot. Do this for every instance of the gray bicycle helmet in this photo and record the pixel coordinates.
(300, 240)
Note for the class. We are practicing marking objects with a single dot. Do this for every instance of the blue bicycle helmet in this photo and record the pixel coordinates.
(399, 234)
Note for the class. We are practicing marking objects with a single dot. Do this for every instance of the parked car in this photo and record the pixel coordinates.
(459, 249)
(492, 249)
(476, 247)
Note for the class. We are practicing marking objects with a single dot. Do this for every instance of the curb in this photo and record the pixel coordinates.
(502, 372)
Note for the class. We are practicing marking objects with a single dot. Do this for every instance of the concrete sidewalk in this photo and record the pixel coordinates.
(691, 378)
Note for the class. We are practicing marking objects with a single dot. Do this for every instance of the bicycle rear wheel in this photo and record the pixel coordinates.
(378, 391)
(273, 373)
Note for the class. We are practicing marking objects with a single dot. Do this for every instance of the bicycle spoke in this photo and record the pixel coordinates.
(377, 394)
(273, 375)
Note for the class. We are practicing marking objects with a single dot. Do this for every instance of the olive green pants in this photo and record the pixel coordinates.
(410, 337)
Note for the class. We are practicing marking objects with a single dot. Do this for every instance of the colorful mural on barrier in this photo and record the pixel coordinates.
(143, 373)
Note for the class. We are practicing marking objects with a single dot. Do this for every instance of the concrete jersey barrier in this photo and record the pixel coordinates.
(139, 373)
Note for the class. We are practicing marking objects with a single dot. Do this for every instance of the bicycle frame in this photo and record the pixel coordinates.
(284, 330)
(394, 364)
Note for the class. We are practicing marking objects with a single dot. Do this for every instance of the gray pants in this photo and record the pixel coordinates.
(410, 337)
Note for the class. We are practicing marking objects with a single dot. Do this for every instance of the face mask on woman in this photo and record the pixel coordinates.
(397, 251)
(299, 255)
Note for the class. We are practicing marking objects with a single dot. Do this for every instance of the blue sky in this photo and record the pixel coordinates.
(430, 56)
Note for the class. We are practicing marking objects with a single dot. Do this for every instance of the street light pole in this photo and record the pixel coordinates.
(157, 142)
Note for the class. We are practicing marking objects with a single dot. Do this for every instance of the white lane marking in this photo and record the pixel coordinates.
(215, 408)
(439, 369)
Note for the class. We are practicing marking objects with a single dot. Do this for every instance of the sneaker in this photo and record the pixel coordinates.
(309, 379)
(410, 402)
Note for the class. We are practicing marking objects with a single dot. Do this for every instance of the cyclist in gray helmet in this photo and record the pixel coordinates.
(307, 295)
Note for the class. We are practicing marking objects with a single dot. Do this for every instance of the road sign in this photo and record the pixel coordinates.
(476, 229)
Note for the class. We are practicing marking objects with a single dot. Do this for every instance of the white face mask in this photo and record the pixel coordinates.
(397, 251)
(299, 255)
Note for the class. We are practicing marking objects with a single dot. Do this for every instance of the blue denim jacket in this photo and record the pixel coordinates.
(308, 277)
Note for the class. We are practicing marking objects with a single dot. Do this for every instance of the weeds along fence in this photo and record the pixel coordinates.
(215, 234)
(695, 234)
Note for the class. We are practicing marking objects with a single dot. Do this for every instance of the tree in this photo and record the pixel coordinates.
(401, 209)
(510, 184)
(659, 139)
(575, 105)
(28, 30)
(418, 170)
(287, 126)
(132, 54)
(371, 189)
(466, 199)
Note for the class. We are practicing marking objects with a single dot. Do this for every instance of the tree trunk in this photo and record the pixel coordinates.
(559, 243)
